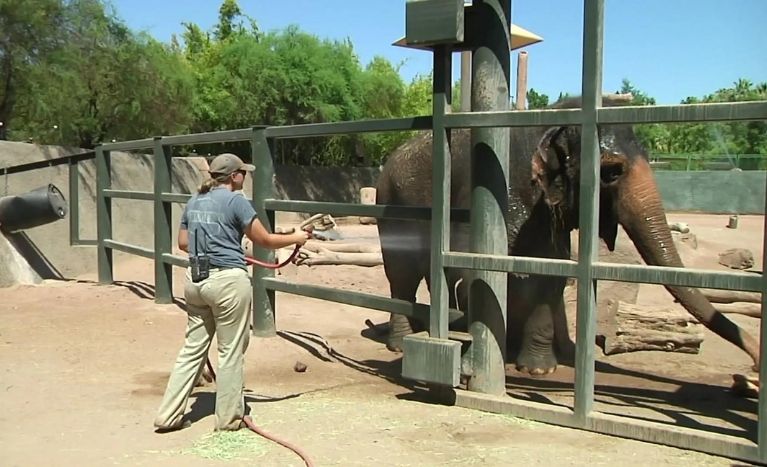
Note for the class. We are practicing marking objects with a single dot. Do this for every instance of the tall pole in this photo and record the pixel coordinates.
(521, 81)
(489, 202)
(466, 81)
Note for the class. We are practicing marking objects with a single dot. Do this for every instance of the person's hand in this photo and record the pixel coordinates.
(300, 237)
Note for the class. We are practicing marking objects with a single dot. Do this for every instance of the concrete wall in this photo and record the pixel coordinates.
(715, 192)
(332, 184)
(132, 219)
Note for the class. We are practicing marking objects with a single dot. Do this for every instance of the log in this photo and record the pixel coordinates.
(315, 246)
(748, 309)
(325, 257)
(367, 197)
(730, 296)
(632, 328)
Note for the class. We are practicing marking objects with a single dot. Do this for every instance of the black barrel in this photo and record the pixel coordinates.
(37, 207)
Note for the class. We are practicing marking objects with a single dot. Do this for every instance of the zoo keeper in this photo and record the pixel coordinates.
(217, 291)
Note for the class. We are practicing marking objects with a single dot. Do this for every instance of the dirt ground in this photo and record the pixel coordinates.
(84, 367)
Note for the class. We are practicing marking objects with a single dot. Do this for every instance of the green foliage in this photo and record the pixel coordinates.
(652, 136)
(536, 100)
(28, 35)
(71, 72)
(104, 82)
(720, 140)
(723, 139)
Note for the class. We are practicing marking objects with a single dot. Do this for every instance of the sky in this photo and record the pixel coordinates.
(669, 49)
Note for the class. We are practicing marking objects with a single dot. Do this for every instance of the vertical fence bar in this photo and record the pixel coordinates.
(103, 215)
(588, 246)
(163, 272)
(762, 421)
(263, 188)
(440, 218)
(74, 202)
(490, 82)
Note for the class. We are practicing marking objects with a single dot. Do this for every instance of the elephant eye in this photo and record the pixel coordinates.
(610, 173)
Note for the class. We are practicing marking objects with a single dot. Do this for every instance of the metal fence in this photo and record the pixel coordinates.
(690, 162)
(587, 269)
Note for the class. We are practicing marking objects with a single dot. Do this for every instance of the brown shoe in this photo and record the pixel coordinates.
(169, 429)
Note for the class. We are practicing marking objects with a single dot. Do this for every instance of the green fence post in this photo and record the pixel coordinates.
(103, 215)
(489, 199)
(588, 243)
(263, 188)
(762, 409)
(163, 272)
(74, 202)
(440, 219)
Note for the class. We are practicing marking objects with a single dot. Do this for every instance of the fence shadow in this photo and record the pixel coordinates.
(647, 396)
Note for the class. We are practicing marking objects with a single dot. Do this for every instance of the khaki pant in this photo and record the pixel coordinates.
(218, 305)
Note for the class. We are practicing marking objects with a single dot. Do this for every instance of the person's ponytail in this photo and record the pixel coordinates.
(211, 183)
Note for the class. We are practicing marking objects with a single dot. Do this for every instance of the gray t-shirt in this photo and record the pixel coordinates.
(216, 222)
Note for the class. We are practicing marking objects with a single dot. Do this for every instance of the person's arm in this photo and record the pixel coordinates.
(258, 234)
(183, 231)
(183, 240)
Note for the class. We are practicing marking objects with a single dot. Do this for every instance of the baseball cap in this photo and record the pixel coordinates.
(227, 163)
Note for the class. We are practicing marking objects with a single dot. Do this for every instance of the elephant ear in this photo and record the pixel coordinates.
(549, 165)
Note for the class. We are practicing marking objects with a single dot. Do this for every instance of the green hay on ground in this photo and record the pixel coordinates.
(228, 445)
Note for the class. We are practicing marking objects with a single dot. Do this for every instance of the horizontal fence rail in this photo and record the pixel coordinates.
(147, 143)
(700, 278)
(364, 210)
(227, 136)
(126, 194)
(418, 311)
(128, 248)
(73, 159)
(343, 128)
(688, 113)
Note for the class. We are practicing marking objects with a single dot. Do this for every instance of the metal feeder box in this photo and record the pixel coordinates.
(431, 360)
(433, 22)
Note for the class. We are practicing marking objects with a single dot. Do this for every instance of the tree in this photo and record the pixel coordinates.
(382, 96)
(418, 96)
(724, 138)
(536, 100)
(28, 34)
(654, 137)
(105, 82)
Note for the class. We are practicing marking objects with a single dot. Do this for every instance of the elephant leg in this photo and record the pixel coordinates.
(536, 354)
(403, 287)
(406, 262)
(537, 306)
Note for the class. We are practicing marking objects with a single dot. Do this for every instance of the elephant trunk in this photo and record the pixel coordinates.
(641, 214)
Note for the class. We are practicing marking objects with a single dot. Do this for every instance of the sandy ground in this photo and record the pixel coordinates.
(84, 367)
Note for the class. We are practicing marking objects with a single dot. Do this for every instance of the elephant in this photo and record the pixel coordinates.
(544, 168)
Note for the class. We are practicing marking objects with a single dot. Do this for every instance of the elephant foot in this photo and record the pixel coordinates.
(399, 327)
(536, 363)
(394, 345)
